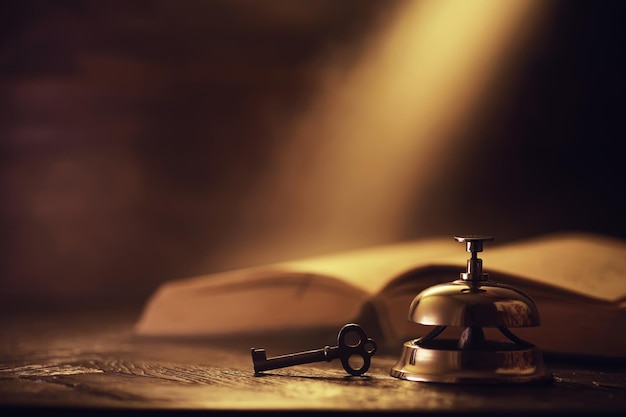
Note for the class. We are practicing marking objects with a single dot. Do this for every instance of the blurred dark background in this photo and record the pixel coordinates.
(135, 137)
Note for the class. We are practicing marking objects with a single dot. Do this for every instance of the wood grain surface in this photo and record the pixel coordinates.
(91, 362)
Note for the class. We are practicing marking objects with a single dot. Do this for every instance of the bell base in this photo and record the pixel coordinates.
(442, 362)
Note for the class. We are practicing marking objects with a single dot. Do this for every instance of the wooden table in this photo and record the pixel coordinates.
(91, 362)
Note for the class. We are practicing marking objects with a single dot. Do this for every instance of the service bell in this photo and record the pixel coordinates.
(472, 304)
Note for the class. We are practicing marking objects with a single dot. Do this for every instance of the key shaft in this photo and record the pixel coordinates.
(262, 363)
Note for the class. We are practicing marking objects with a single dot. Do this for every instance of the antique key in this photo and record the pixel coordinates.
(354, 349)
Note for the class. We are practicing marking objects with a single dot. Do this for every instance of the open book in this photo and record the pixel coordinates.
(577, 281)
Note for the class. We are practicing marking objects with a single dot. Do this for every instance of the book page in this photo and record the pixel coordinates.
(584, 263)
(370, 269)
(590, 265)
(367, 269)
(282, 295)
(289, 293)
(268, 300)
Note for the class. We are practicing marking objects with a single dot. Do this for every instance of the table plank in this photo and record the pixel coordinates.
(95, 362)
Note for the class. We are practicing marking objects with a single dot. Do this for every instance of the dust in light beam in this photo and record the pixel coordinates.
(378, 129)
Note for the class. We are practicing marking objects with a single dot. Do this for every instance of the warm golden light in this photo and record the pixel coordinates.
(380, 128)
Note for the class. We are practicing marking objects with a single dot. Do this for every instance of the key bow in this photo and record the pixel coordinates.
(352, 351)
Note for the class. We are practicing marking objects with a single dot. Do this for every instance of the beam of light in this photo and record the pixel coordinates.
(378, 130)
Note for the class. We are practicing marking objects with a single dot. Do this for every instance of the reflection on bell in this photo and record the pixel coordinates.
(473, 304)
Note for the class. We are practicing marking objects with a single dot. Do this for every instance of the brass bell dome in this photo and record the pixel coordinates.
(471, 304)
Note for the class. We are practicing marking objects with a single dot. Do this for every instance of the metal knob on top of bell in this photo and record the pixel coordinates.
(472, 305)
